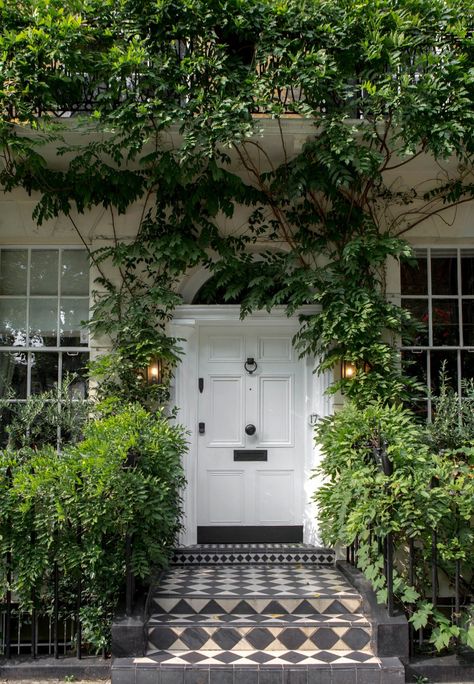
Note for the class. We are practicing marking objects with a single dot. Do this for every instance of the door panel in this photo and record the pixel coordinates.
(274, 504)
(226, 411)
(250, 493)
(274, 349)
(276, 418)
(222, 508)
(226, 348)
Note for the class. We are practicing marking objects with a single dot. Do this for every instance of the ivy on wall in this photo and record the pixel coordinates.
(381, 85)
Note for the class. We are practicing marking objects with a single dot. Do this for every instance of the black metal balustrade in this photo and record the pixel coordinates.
(452, 606)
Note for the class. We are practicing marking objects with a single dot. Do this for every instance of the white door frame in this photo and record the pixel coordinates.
(185, 325)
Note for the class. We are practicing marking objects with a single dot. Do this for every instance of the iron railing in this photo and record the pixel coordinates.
(413, 555)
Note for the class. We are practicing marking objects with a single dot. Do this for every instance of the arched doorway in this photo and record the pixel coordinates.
(247, 400)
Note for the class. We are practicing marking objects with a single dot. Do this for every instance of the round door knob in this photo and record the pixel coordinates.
(250, 429)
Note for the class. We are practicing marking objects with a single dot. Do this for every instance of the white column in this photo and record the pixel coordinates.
(319, 403)
(185, 397)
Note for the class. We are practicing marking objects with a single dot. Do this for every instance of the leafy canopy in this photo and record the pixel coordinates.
(302, 116)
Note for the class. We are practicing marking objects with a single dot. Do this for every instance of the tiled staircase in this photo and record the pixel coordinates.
(257, 615)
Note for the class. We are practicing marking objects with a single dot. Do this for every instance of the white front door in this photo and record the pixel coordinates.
(250, 477)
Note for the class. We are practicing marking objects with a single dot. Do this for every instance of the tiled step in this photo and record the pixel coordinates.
(245, 590)
(321, 667)
(326, 605)
(271, 636)
(244, 554)
(286, 623)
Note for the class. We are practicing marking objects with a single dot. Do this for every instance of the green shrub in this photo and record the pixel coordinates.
(51, 418)
(77, 508)
(429, 489)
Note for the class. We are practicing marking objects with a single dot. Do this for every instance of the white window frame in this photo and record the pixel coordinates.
(57, 349)
(427, 250)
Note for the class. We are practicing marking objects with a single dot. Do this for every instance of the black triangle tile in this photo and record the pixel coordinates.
(212, 607)
(183, 607)
(335, 608)
(305, 608)
(244, 608)
(275, 608)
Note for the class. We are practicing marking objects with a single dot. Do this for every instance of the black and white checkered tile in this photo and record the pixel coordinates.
(254, 581)
(237, 658)
(311, 605)
(332, 637)
(245, 554)
(273, 619)
(257, 624)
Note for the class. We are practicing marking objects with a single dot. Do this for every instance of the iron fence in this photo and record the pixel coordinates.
(454, 606)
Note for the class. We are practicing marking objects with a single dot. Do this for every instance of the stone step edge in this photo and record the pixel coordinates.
(148, 662)
(254, 558)
(167, 606)
(352, 620)
(258, 546)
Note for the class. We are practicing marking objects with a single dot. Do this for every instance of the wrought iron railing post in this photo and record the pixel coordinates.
(389, 576)
(8, 577)
(411, 582)
(130, 462)
(8, 610)
(79, 604)
(129, 588)
(56, 610)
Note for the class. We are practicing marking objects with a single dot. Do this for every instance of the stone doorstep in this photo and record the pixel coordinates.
(384, 671)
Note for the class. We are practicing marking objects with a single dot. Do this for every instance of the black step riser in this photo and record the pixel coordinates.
(231, 638)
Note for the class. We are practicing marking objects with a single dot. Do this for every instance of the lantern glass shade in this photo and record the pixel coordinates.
(348, 370)
(154, 372)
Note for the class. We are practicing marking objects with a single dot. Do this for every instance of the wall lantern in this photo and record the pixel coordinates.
(349, 369)
(154, 372)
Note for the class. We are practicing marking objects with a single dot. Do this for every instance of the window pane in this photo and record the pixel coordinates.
(449, 358)
(13, 271)
(468, 322)
(75, 272)
(414, 279)
(444, 273)
(76, 363)
(43, 322)
(44, 371)
(467, 271)
(13, 370)
(44, 272)
(419, 310)
(467, 365)
(72, 312)
(12, 322)
(5, 418)
(445, 323)
(415, 364)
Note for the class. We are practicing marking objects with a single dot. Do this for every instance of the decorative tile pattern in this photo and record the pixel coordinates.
(237, 606)
(254, 581)
(238, 658)
(272, 620)
(245, 554)
(244, 638)
(288, 616)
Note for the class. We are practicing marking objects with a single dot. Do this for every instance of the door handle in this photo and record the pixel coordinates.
(250, 429)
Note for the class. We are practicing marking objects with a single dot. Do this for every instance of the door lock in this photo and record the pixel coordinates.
(202, 428)
(250, 429)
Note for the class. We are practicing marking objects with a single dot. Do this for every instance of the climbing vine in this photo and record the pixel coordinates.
(230, 129)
